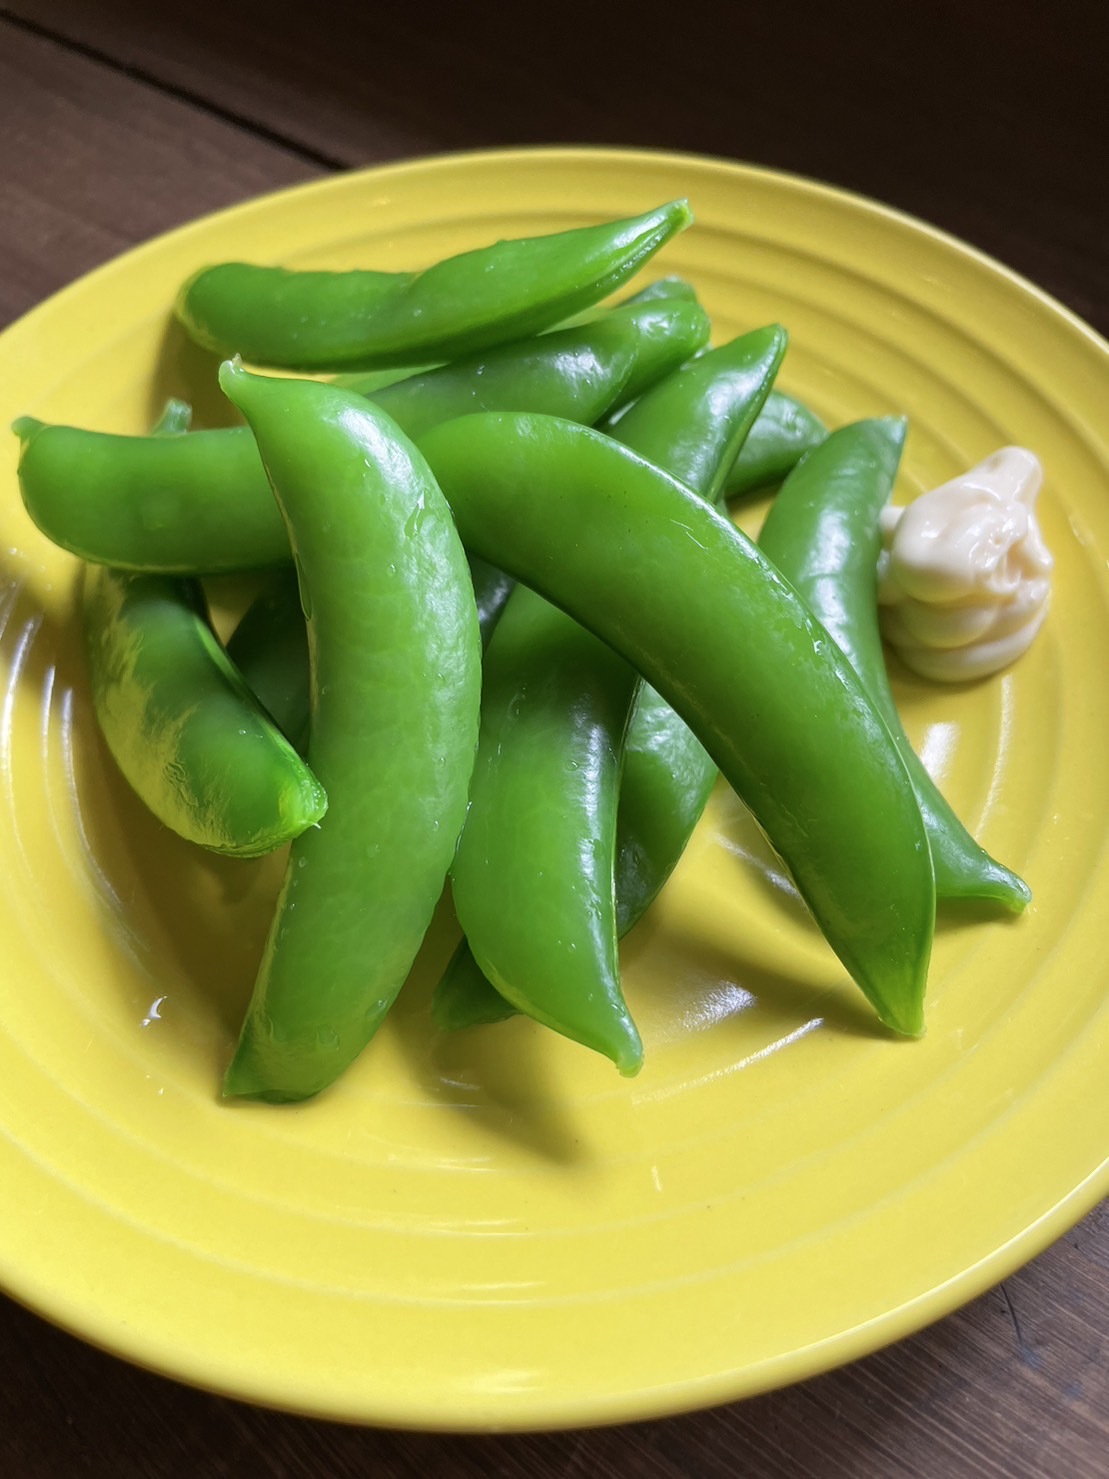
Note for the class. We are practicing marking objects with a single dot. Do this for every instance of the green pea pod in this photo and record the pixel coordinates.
(665, 289)
(270, 644)
(685, 597)
(784, 432)
(270, 648)
(201, 504)
(182, 725)
(396, 672)
(667, 779)
(460, 306)
(660, 290)
(532, 877)
(465, 996)
(671, 328)
(823, 534)
(543, 816)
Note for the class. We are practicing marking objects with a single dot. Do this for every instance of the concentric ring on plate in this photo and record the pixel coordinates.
(494, 1230)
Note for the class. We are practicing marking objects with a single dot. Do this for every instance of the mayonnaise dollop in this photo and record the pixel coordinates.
(964, 576)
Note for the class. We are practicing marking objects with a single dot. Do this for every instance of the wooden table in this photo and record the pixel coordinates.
(117, 125)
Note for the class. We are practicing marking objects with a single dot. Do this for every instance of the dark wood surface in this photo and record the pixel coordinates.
(989, 122)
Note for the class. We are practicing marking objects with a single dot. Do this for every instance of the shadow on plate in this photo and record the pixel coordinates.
(189, 373)
(497, 1076)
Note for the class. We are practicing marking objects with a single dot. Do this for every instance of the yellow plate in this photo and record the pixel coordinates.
(495, 1230)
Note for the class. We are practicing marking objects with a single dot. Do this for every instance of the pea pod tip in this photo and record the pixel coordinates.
(907, 1020)
(232, 375)
(25, 427)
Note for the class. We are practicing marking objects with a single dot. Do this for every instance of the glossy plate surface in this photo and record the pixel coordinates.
(495, 1230)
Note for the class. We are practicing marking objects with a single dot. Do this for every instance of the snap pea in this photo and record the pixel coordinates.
(532, 876)
(393, 635)
(181, 724)
(823, 534)
(463, 305)
(269, 647)
(707, 619)
(201, 504)
(784, 432)
(544, 819)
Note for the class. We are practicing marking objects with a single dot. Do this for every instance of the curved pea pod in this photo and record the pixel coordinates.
(823, 534)
(532, 877)
(201, 504)
(185, 505)
(785, 431)
(687, 599)
(460, 306)
(548, 805)
(182, 725)
(395, 691)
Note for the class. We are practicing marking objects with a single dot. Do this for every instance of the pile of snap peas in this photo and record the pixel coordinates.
(511, 637)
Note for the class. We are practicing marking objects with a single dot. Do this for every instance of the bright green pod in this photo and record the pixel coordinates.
(181, 724)
(686, 598)
(460, 306)
(784, 432)
(395, 692)
(270, 648)
(532, 877)
(823, 534)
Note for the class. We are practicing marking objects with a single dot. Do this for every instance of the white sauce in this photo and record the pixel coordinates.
(964, 576)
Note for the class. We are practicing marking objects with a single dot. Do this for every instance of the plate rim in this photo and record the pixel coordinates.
(769, 1374)
(808, 184)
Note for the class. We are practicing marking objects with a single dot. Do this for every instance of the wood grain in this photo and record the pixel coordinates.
(989, 126)
(95, 162)
(122, 126)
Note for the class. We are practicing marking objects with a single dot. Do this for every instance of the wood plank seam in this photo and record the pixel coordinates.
(175, 90)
